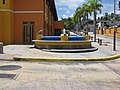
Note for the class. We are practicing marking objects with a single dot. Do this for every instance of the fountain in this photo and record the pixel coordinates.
(62, 42)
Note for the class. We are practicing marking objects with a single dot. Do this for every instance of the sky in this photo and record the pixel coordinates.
(66, 8)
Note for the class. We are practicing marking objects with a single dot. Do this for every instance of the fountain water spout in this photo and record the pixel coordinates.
(64, 31)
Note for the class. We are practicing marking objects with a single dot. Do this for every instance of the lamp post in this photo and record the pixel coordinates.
(94, 26)
(114, 39)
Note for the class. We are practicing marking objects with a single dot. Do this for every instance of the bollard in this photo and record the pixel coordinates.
(1, 47)
(100, 42)
(91, 37)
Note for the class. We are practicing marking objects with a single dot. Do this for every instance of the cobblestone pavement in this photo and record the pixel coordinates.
(60, 75)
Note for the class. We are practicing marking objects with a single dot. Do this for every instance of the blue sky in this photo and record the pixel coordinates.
(66, 8)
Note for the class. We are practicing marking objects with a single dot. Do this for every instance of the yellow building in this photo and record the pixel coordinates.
(0, 28)
(20, 20)
(6, 21)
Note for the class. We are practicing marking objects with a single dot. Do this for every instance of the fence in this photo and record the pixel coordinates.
(109, 31)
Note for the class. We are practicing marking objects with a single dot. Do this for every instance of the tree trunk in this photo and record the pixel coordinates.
(87, 23)
(78, 24)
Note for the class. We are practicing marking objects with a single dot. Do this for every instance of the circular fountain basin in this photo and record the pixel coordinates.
(70, 38)
(58, 44)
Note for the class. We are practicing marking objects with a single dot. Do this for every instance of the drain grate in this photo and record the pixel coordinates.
(10, 67)
(10, 76)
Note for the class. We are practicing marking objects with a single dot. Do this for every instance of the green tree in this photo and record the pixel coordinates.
(95, 6)
(117, 18)
(77, 16)
(106, 16)
(86, 11)
(69, 25)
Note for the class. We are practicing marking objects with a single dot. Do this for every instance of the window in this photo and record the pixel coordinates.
(3, 1)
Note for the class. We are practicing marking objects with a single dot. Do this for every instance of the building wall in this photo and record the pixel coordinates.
(49, 27)
(12, 4)
(14, 12)
(7, 27)
(7, 18)
(58, 25)
(7, 4)
(32, 12)
(52, 25)
(31, 5)
(0, 29)
(20, 18)
(46, 19)
(49, 20)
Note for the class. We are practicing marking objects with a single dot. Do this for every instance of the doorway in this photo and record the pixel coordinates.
(28, 32)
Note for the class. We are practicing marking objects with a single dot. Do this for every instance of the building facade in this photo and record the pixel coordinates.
(21, 20)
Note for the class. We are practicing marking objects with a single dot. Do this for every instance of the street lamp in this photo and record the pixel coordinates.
(114, 39)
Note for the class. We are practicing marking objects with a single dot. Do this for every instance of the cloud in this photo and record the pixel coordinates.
(64, 16)
(64, 12)
(70, 4)
(66, 8)
(107, 8)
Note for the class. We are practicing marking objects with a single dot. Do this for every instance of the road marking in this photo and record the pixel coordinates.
(112, 69)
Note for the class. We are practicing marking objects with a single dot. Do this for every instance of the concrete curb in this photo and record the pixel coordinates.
(21, 58)
(71, 50)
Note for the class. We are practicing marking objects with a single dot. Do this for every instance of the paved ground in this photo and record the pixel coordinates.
(60, 75)
(28, 50)
(20, 75)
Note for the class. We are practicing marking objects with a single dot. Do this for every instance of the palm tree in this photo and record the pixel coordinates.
(77, 16)
(69, 25)
(86, 10)
(95, 6)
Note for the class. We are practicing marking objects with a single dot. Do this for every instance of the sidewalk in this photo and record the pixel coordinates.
(6, 56)
(28, 51)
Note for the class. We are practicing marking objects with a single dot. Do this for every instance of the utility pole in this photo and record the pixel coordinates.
(94, 31)
(94, 26)
(114, 39)
(119, 5)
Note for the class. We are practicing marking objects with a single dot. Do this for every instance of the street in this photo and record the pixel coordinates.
(60, 75)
